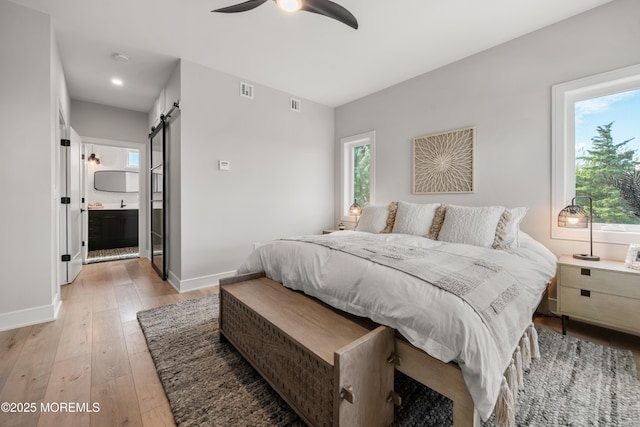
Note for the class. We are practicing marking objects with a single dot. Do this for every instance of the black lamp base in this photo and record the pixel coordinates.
(587, 257)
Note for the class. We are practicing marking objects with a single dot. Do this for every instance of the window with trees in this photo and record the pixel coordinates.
(357, 171)
(596, 137)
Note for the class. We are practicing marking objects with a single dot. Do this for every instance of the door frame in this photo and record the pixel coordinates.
(143, 245)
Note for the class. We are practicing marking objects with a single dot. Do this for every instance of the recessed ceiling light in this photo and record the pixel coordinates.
(117, 82)
(120, 57)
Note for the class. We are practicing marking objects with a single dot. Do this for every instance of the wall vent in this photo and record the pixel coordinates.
(246, 90)
(296, 105)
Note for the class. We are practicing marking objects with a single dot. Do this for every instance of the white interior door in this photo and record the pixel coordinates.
(71, 212)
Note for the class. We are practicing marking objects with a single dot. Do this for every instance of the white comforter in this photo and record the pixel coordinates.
(431, 319)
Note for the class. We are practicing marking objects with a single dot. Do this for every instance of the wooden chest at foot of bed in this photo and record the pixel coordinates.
(331, 370)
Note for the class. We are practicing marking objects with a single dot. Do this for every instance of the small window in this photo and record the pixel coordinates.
(357, 171)
(133, 159)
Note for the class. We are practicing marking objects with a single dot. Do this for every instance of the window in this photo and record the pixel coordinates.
(357, 171)
(133, 159)
(596, 137)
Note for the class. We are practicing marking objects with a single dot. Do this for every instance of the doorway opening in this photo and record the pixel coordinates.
(112, 193)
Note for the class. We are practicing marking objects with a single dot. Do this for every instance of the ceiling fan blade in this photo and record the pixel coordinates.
(242, 7)
(332, 10)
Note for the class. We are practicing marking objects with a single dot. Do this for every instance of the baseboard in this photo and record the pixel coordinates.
(173, 280)
(30, 316)
(57, 304)
(188, 285)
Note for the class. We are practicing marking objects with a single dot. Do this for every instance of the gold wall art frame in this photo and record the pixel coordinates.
(444, 162)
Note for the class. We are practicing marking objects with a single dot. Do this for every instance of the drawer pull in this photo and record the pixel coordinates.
(585, 271)
(585, 293)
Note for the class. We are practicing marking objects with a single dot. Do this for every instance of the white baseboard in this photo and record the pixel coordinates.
(173, 280)
(30, 316)
(198, 282)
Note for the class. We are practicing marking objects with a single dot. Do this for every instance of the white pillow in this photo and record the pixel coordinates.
(508, 229)
(413, 218)
(373, 219)
(471, 225)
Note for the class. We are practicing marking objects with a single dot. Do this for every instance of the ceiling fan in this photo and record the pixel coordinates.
(321, 7)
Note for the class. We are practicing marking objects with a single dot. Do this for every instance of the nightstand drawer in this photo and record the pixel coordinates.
(605, 309)
(605, 281)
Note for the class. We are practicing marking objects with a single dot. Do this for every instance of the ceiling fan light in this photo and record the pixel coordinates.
(289, 5)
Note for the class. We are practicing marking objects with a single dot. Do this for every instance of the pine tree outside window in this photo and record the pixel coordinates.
(596, 140)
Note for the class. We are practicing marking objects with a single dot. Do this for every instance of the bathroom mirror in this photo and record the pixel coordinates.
(116, 181)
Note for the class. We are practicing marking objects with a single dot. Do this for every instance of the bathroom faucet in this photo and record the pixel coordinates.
(122, 205)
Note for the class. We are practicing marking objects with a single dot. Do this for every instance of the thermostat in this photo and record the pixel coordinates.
(224, 165)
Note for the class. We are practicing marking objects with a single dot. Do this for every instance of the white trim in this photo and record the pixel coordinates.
(564, 97)
(30, 316)
(188, 285)
(346, 161)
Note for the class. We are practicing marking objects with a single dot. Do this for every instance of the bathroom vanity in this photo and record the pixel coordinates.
(112, 228)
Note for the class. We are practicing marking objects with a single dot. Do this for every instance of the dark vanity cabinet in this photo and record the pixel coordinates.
(109, 229)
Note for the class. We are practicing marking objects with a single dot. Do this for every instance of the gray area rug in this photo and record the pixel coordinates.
(208, 383)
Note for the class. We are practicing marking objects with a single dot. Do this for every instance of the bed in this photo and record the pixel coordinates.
(458, 284)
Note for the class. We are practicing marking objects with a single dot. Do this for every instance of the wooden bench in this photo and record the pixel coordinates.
(332, 370)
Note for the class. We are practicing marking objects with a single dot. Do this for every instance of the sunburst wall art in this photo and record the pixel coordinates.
(443, 162)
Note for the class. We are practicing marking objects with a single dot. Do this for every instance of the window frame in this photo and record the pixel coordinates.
(564, 97)
(346, 194)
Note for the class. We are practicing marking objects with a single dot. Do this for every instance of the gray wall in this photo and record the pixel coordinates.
(33, 91)
(280, 183)
(505, 92)
(102, 121)
(172, 94)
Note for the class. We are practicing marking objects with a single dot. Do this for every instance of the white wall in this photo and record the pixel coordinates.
(31, 88)
(280, 183)
(505, 92)
(111, 159)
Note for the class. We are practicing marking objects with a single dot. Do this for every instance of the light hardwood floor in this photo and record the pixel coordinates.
(96, 352)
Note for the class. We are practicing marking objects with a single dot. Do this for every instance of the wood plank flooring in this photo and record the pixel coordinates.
(95, 351)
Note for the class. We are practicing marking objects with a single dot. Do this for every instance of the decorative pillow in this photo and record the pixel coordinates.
(436, 225)
(391, 217)
(413, 218)
(373, 219)
(471, 225)
(507, 231)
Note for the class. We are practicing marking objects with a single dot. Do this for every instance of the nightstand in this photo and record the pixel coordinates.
(604, 293)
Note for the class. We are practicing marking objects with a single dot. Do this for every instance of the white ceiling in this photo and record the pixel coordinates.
(305, 54)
